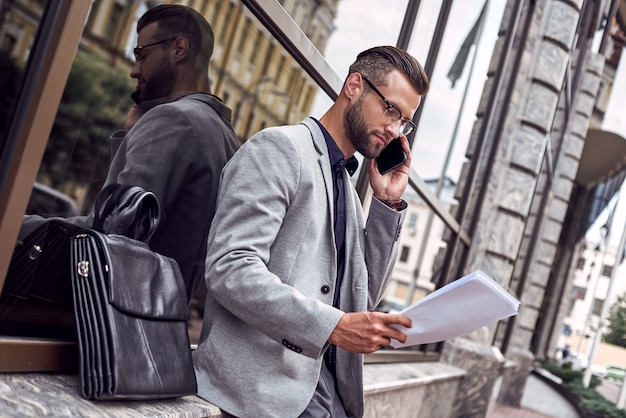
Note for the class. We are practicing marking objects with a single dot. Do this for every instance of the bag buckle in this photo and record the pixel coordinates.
(83, 268)
(35, 252)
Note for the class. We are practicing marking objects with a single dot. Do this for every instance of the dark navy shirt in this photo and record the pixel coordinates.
(337, 164)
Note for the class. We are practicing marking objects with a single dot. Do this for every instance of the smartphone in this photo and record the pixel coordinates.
(391, 156)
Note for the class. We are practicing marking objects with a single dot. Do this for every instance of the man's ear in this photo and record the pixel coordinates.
(181, 48)
(353, 87)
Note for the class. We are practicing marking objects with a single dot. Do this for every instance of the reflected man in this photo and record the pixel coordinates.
(177, 138)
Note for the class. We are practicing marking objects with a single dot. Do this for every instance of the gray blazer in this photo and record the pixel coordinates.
(271, 269)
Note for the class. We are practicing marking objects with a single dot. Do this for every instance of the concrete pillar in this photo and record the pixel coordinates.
(514, 377)
(483, 365)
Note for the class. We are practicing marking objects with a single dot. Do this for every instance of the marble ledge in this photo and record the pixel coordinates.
(387, 377)
(46, 394)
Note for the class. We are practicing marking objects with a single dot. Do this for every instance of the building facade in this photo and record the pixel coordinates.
(591, 288)
(420, 242)
(522, 195)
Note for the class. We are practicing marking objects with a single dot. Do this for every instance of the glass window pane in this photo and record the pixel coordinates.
(261, 85)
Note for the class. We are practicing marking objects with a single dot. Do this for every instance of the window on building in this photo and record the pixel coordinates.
(226, 21)
(404, 253)
(211, 10)
(247, 129)
(607, 270)
(243, 38)
(293, 79)
(117, 10)
(597, 306)
(8, 43)
(257, 46)
(93, 12)
(580, 264)
(579, 292)
(412, 220)
(281, 69)
(204, 5)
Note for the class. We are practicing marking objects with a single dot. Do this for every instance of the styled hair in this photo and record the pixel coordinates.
(376, 63)
(176, 20)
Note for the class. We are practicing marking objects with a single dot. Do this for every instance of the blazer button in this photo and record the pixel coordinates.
(325, 289)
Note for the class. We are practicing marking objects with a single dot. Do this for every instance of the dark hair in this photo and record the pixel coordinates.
(176, 20)
(377, 62)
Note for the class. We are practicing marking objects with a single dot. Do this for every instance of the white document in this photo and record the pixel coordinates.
(457, 309)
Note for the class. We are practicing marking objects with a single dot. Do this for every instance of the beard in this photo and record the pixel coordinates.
(160, 84)
(357, 131)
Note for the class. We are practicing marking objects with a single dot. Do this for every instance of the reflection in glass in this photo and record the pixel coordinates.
(253, 74)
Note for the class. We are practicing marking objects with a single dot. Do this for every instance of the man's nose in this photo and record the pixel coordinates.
(394, 128)
(135, 71)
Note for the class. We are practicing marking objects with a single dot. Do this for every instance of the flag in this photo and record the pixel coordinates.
(461, 57)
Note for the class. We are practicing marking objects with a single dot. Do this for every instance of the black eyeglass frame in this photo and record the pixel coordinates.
(406, 123)
(138, 49)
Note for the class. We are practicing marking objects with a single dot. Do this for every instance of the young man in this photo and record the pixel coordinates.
(292, 268)
(177, 138)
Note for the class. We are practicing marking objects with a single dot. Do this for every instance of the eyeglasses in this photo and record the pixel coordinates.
(391, 113)
(139, 56)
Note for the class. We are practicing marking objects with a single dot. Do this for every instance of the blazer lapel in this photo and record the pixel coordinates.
(324, 162)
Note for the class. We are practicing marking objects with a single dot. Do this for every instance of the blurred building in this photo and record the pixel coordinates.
(590, 287)
(420, 241)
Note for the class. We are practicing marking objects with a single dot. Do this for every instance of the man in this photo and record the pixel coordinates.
(292, 268)
(177, 148)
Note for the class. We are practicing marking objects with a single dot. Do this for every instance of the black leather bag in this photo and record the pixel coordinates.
(40, 264)
(131, 311)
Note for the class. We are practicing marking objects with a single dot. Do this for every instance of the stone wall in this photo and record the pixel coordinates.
(528, 162)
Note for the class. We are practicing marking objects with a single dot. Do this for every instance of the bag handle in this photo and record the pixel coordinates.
(106, 202)
(127, 210)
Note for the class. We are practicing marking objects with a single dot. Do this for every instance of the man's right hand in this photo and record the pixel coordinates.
(133, 115)
(366, 332)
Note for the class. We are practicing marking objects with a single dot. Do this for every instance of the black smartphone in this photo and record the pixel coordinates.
(391, 156)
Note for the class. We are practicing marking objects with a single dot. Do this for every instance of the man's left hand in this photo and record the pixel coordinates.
(392, 185)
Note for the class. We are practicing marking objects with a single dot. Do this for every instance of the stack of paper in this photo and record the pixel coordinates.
(457, 309)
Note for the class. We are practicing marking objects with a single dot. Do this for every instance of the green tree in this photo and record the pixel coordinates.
(617, 323)
(93, 105)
